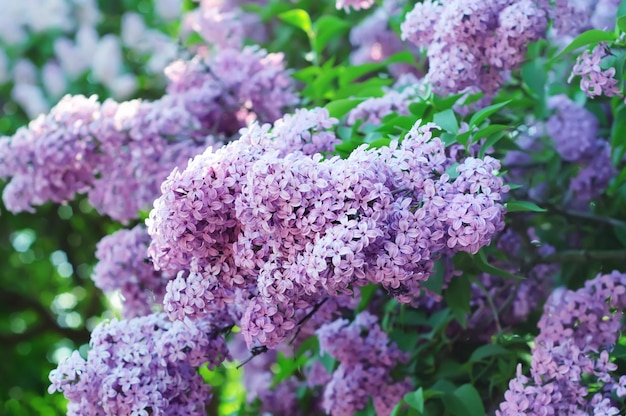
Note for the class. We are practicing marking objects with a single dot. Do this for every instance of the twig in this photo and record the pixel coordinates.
(306, 318)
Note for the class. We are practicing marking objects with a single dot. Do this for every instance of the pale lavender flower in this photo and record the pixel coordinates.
(141, 366)
(595, 81)
(355, 4)
(123, 265)
(577, 332)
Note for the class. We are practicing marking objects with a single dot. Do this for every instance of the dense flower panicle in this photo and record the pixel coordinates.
(473, 43)
(261, 215)
(573, 129)
(146, 365)
(229, 89)
(572, 17)
(118, 153)
(577, 332)
(366, 357)
(53, 158)
(123, 265)
(595, 81)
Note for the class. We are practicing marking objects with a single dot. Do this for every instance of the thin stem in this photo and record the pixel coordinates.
(581, 256)
(306, 318)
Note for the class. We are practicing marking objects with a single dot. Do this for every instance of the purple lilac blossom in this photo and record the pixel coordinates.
(471, 44)
(267, 217)
(572, 17)
(366, 357)
(123, 265)
(573, 129)
(229, 89)
(224, 24)
(595, 81)
(355, 4)
(142, 366)
(571, 371)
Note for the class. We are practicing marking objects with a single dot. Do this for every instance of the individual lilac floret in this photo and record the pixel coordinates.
(146, 365)
(471, 44)
(595, 81)
(573, 129)
(571, 356)
(123, 265)
(355, 4)
(366, 357)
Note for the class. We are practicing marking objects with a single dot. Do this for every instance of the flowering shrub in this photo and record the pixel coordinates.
(345, 207)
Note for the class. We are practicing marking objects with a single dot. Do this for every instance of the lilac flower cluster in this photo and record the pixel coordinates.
(228, 90)
(142, 366)
(115, 152)
(595, 81)
(366, 357)
(123, 265)
(472, 43)
(263, 216)
(573, 17)
(374, 40)
(223, 24)
(571, 371)
(574, 131)
(119, 153)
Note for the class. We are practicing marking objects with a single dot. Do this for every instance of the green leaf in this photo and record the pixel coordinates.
(435, 281)
(415, 399)
(288, 366)
(469, 396)
(482, 115)
(486, 351)
(523, 206)
(327, 27)
(340, 108)
(457, 297)
(534, 76)
(621, 23)
(383, 142)
(300, 19)
(480, 259)
(447, 121)
(593, 36)
(328, 362)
